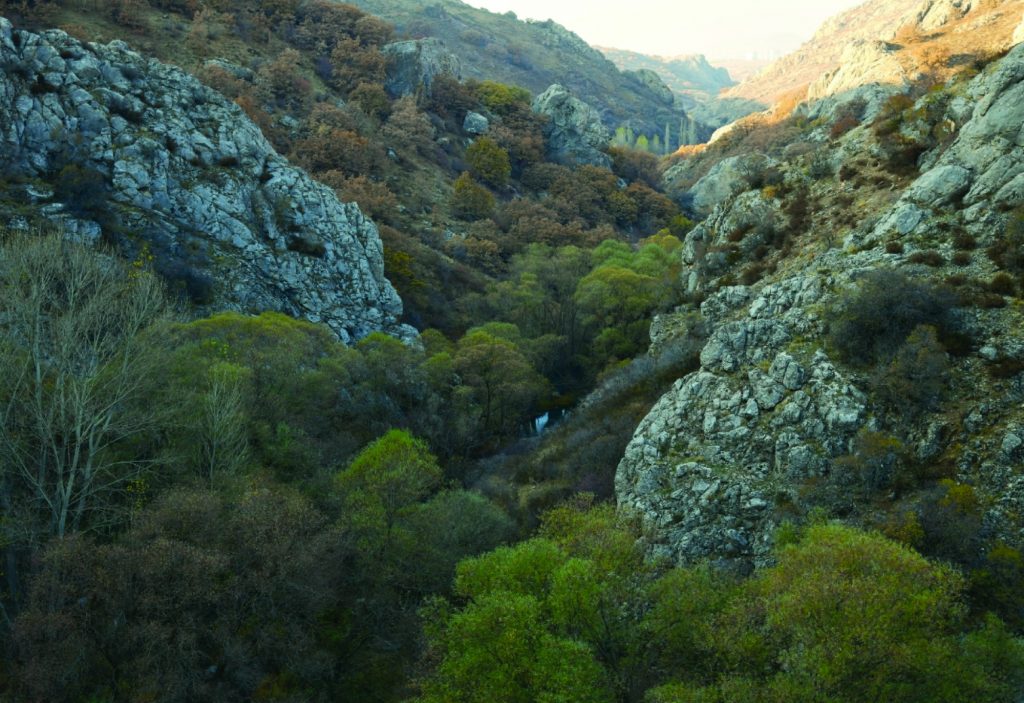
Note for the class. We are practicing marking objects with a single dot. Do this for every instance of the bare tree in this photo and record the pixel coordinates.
(75, 369)
(223, 439)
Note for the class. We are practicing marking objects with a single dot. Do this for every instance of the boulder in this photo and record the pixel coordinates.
(475, 123)
(574, 132)
(414, 64)
(185, 171)
(728, 178)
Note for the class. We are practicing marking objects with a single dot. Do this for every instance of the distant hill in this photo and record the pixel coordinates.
(685, 75)
(905, 40)
(742, 69)
(535, 55)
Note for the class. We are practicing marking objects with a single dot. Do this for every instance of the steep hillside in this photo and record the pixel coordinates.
(862, 282)
(120, 146)
(535, 55)
(888, 41)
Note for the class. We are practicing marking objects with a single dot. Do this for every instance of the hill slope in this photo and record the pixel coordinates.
(533, 55)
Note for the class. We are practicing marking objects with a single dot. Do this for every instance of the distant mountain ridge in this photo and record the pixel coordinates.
(536, 54)
(685, 74)
(887, 41)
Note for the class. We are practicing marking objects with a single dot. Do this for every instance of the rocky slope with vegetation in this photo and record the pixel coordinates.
(536, 55)
(767, 455)
(177, 172)
(863, 286)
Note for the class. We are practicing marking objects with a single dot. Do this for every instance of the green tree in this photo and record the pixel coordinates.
(504, 385)
(850, 616)
(470, 200)
(489, 162)
(385, 479)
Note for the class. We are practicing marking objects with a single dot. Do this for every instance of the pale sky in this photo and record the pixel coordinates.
(717, 28)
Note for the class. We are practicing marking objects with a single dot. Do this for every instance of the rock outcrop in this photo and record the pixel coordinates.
(711, 460)
(771, 422)
(862, 63)
(414, 64)
(177, 167)
(934, 14)
(727, 178)
(983, 169)
(574, 132)
(653, 83)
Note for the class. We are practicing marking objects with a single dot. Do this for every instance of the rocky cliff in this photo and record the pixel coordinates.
(142, 154)
(776, 422)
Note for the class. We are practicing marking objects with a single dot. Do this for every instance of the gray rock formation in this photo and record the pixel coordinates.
(414, 65)
(574, 131)
(709, 247)
(742, 444)
(653, 83)
(475, 123)
(707, 466)
(862, 63)
(728, 178)
(983, 169)
(185, 171)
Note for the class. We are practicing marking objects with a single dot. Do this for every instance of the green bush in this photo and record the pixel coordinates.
(470, 200)
(873, 320)
(489, 162)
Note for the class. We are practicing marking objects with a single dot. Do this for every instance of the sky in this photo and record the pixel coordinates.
(720, 29)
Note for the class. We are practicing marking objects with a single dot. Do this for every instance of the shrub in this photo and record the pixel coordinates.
(961, 258)
(894, 247)
(842, 125)
(928, 257)
(1003, 284)
(470, 200)
(489, 162)
(875, 318)
(83, 190)
(917, 377)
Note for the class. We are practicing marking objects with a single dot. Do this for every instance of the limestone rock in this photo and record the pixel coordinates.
(188, 173)
(706, 465)
(983, 169)
(575, 134)
(475, 123)
(862, 63)
(934, 14)
(416, 63)
(652, 82)
(729, 177)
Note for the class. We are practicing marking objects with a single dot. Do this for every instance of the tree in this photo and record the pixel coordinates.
(470, 200)
(77, 369)
(505, 385)
(489, 162)
(220, 424)
(408, 127)
(387, 477)
(851, 617)
(549, 619)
